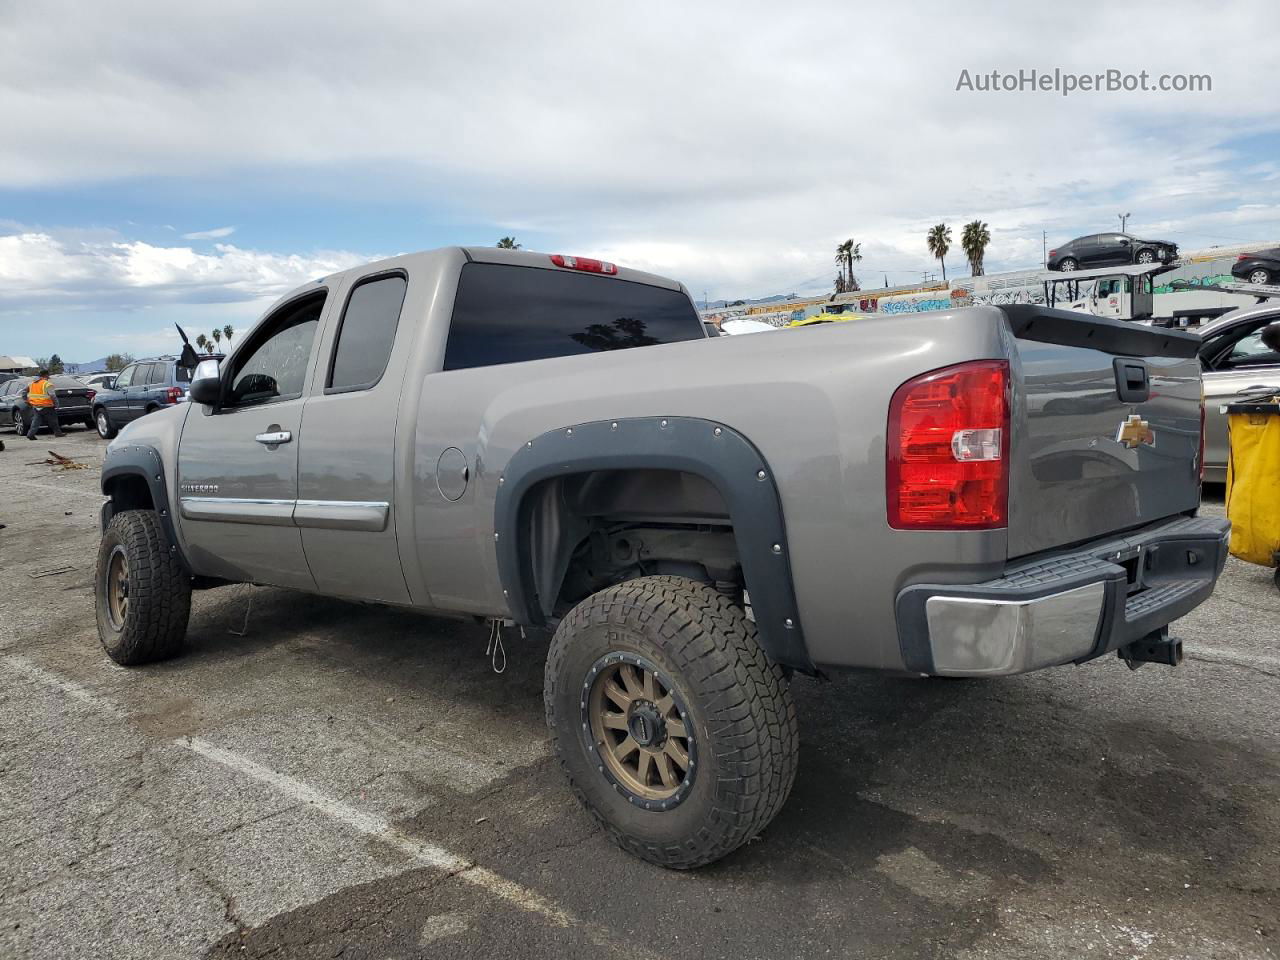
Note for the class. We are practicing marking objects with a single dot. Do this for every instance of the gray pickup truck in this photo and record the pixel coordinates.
(555, 442)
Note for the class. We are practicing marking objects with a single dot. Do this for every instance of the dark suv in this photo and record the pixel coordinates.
(141, 388)
(1110, 250)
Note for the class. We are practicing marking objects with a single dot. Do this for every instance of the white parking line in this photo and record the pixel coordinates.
(371, 825)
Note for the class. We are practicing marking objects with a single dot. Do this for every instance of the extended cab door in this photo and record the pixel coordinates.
(238, 463)
(346, 487)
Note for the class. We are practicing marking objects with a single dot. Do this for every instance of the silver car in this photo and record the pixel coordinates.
(1235, 362)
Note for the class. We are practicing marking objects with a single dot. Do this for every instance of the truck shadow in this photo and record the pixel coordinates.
(916, 798)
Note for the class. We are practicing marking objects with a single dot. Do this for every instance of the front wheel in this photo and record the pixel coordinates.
(142, 592)
(102, 422)
(674, 729)
(1146, 256)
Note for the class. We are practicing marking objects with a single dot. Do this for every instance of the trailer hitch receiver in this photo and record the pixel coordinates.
(1156, 647)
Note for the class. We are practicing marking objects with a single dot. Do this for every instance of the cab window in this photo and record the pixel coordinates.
(366, 333)
(126, 377)
(274, 365)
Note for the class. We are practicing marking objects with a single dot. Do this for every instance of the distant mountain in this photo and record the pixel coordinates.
(93, 366)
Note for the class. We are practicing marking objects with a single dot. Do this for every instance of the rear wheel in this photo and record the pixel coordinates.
(1068, 264)
(102, 422)
(1259, 276)
(142, 592)
(674, 729)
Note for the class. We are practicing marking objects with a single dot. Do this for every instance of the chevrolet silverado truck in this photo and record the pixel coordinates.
(554, 442)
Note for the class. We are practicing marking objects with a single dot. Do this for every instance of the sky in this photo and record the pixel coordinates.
(189, 163)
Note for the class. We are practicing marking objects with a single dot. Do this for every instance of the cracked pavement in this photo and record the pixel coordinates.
(347, 780)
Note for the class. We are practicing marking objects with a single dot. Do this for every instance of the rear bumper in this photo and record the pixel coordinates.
(1065, 608)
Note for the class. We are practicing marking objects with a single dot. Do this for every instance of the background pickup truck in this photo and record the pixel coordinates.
(555, 441)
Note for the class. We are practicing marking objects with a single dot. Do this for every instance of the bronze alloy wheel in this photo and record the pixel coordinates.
(117, 587)
(638, 730)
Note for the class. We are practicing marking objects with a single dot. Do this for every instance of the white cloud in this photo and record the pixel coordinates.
(46, 270)
(217, 233)
(731, 145)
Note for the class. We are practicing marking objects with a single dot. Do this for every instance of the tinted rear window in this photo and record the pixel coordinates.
(507, 314)
(367, 332)
(67, 383)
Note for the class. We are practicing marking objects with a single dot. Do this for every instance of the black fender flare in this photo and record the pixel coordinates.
(714, 451)
(140, 460)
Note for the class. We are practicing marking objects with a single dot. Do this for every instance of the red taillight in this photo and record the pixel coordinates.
(1243, 256)
(948, 449)
(90, 394)
(583, 263)
(173, 394)
(1053, 253)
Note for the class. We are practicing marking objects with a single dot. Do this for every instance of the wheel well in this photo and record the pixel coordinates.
(129, 492)
(590, 530)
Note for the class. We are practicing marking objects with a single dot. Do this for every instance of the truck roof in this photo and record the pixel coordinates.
(523, 258)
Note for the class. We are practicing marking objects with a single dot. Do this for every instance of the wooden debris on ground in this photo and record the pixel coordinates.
(60, 462)
(51, 572)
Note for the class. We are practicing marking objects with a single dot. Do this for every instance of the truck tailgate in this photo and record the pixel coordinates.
(1106, 427)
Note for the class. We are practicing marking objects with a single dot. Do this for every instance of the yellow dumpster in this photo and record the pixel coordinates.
(1253, 481)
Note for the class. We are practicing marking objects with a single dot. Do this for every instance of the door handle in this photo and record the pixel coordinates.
(271, 439)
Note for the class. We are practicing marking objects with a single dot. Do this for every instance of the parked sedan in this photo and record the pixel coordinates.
(1109, 250)
(75, 402)
(1260, 267)
(1235, 361)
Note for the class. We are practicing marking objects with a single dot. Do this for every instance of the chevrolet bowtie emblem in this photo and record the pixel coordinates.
(1134, 432)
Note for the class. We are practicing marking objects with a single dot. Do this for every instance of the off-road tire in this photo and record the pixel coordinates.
(102, 423)
(739, 710)
(159, 591)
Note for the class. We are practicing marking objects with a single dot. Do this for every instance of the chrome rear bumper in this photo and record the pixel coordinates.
(1064, 608)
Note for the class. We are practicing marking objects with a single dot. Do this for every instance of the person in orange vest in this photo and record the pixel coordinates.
(43, 403)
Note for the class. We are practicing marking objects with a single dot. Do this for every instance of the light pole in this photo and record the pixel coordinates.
(1124, 219)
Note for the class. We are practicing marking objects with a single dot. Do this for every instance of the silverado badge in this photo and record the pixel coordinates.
(1134, 432)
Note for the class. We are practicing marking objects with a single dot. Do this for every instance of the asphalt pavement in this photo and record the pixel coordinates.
(315, 778)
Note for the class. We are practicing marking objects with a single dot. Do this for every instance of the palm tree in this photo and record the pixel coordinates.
(939, 239)
(227, 331)
(974, 240)
(507, 243)
(847, 254)
(217, 337)
(203, 343)
(853, 256)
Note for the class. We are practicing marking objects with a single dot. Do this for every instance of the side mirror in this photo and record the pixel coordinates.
(206, 384)
(1124, 241)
